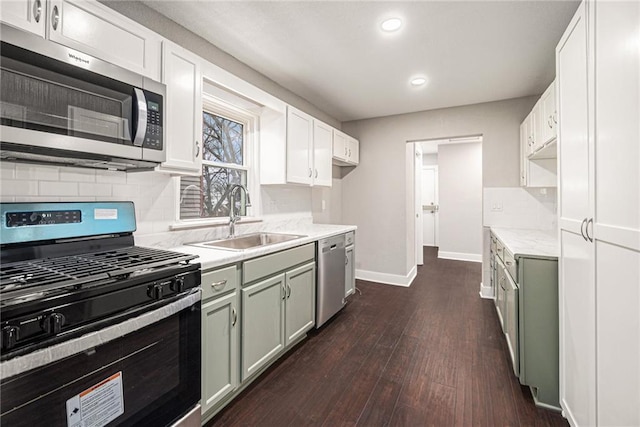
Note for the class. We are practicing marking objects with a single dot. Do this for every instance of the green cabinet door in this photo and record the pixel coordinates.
(300, 302)
(262, 323)
(219, 349)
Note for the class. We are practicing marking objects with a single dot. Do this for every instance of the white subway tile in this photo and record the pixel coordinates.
(111, 177)
(77, 174)
(38, 172)
(95, 190)
(50, 188)
(124, 192)
(37, 199)
(19, 188)
(78, 199)
(7, 170)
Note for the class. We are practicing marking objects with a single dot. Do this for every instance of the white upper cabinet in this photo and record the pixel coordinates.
(346, 149)
(181, 72)
(299, 147)
(548, 115)
(99, 31)
(308, 151)
(90, 28)
(28, 15)
(322, 149)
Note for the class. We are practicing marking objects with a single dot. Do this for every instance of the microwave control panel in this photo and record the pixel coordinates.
(153, 136)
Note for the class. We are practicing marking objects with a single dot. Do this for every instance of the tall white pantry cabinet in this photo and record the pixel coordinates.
(598, 77)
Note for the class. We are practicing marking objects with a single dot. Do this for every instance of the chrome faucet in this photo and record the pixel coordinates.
(233, 216)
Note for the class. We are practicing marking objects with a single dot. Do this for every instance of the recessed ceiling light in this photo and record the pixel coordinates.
(390, 25)
(418, 81)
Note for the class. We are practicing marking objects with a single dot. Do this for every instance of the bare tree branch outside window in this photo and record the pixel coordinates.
(223, 149)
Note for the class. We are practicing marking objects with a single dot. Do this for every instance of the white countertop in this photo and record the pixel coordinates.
(523, 242)
(210, 258)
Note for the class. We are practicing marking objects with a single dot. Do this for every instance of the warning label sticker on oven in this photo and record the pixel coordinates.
(98, 405)
(103, 213)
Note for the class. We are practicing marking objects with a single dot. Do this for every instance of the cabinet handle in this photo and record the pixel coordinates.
(345, 151)
(55, 18)
(584, 222)
(555, 117)
(234, 313)
(197, 149)
(586, 229)
(288, 290)
(284, 291)
(37, 10)
(550, 122)
(219, 285)
(316, 173)
(310, 173)
(346, 260)
(508, 262)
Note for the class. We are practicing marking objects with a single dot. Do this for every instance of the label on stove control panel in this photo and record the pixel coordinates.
(105, 213)
(98, 405)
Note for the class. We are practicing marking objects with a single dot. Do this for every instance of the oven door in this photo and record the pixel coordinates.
(150, 376)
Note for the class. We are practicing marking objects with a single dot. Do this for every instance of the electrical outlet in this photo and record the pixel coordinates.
(324, 205)
(496, 207)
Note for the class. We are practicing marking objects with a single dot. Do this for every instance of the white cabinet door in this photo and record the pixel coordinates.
(548, 116)
(300, 302)
(353, 151)
(322, 149)
(29, 15)
(340, 145)
(183, 119)
(99, 31)
(577, 284)
(220, 331)
(262, 323)
(299, 147)
(524, 150)
(616, 229)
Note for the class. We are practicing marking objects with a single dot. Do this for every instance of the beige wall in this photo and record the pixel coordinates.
(160, 24)
(374, 194)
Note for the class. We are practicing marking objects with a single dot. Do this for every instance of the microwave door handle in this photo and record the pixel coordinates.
(141, 128)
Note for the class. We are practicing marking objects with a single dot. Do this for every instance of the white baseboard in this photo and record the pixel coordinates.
(386, 278)
(486, 291)
(460, 256)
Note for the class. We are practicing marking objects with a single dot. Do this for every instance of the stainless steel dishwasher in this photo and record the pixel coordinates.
(331, 276)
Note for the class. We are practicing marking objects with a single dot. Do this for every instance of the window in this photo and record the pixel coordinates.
(225, 145)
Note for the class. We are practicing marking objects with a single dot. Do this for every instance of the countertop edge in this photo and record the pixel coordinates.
(210, 258)
(518, 252)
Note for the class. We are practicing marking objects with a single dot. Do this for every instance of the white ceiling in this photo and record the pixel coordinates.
(333, 54)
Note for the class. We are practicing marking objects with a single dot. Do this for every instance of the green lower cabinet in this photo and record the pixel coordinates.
(220, 347)
(262, 323)
(300, 302)
(539, 329)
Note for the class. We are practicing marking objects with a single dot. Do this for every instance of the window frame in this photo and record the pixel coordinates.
(216, 106)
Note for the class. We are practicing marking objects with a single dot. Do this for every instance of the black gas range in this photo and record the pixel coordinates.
(71, 270)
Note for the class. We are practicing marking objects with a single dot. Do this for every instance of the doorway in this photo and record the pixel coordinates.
(447, 197)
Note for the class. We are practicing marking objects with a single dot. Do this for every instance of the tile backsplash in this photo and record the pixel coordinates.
(153, 193)
(516, 207)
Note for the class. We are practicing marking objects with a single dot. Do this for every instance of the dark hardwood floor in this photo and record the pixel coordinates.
(430, 354)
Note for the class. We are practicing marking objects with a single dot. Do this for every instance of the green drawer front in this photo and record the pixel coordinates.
(267, 265)
(218, 282)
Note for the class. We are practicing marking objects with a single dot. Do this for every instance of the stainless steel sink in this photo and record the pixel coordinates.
(248, 241)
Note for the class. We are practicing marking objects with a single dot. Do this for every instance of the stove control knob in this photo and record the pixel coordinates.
(53, 323)
(177, 285)
(10, 335)
(155, 291)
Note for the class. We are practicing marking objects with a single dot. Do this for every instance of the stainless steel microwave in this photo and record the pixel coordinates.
(60, 106)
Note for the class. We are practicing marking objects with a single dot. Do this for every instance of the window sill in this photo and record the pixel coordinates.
(205, 223)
